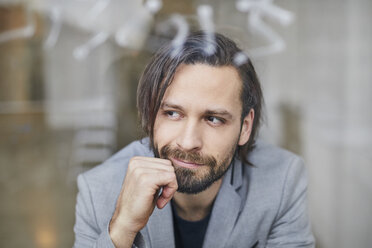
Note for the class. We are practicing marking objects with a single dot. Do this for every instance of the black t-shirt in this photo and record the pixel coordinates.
(189, 234)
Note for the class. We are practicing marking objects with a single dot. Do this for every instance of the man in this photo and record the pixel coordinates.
(201, 179)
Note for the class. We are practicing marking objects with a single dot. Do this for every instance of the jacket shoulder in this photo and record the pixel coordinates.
(266, 156)
(274, 197)
(275, 172)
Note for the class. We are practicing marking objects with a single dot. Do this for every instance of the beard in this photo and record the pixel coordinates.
(193, 181)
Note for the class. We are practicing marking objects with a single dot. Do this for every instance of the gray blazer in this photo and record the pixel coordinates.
(260, 206)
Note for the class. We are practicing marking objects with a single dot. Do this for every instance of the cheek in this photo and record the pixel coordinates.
(220, 143)
(164, 131)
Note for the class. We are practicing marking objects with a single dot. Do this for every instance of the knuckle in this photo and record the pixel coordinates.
(132, 164)
(143, 179)
(137, 172)
(133, 160)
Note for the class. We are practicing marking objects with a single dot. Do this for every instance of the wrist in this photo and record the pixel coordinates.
(121, 235)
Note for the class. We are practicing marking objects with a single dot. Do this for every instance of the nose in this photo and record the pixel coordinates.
(189, 138)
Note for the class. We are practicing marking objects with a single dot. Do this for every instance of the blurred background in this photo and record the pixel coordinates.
(68, 77)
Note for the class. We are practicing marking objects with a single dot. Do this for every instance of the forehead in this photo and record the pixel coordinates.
(201, 86)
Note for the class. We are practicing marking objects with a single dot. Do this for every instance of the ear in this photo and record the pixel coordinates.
(247, 125)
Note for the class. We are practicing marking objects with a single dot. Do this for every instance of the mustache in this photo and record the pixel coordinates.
(193, 157)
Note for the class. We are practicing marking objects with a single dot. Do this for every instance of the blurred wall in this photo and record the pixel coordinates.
(318, 95)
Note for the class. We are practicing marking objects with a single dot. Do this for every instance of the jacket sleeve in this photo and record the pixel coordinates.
(87, 231)
(291, 227)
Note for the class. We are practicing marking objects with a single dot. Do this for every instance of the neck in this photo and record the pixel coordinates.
(194, 207)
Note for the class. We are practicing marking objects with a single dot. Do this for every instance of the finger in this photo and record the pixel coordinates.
(161, 202)
(169, 190)
(167, 194)
(157, 179)
(145, 163)
(154, 166)
(152, 172)
(153, 160)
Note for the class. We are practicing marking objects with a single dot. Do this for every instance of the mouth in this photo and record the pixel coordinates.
(185, 164)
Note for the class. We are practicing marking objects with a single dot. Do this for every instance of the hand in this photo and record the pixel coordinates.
(139, 195)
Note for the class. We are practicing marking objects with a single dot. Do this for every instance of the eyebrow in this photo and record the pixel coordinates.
(170, 105)
(219, 112)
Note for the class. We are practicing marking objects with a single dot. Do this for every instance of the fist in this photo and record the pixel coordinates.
(140, 193)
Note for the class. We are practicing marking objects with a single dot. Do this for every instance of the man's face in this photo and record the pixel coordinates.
(198, 125)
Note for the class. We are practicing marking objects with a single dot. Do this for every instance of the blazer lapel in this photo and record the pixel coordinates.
(226, 208)
(160, 228)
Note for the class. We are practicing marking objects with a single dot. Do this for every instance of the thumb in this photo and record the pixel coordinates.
(165, 196)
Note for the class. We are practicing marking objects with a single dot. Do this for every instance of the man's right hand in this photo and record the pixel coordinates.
(139, 195)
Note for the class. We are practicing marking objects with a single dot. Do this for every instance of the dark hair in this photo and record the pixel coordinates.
(159, 73)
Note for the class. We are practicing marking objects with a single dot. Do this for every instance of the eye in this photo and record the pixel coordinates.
(172, 114)
(215, 121)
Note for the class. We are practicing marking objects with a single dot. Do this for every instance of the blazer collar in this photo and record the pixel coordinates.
(160, 227)
(225, 211)
(226, 208)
